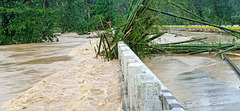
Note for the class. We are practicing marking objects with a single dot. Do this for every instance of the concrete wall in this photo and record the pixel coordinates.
(141, 90)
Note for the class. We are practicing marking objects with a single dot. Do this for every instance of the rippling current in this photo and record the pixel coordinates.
(23, 65)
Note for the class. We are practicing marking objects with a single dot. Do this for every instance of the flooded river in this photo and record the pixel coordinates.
(21, 66)
(201, 82)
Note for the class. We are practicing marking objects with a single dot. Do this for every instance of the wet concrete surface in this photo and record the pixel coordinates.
(23, 65)
(200, 83)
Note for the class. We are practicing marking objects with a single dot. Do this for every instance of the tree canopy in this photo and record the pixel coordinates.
(28, 21)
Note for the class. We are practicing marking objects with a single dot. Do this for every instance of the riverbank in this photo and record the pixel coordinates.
(92, 84)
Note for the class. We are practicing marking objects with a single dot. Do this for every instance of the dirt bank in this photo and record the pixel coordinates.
(89, 86)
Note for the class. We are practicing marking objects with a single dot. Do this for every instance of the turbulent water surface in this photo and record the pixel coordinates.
(21, 66)
(201, 83)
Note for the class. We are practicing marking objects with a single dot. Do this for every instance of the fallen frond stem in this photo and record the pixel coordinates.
(136, 10)
(104, 36)
(99, 46)
(105, 49)
(199, 51)
(101, 23)
(195, 48)
(211, 49)
(229, 49)
(189, 12)
(128, 32)
(133, 14)
(155, 36)
(109, 48)
(198, 45)
(192, 40)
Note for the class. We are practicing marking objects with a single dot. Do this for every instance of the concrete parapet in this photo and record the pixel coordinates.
(148, 93)
(141, 90)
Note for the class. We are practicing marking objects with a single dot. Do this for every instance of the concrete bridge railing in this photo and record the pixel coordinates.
(141, 90)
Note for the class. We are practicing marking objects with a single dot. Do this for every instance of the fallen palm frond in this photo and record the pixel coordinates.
(233, 32)
(187, 48)
(139, 26)
(192, 40)
(141, 23)
(183, 48)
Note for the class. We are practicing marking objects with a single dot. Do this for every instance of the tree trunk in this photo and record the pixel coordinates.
(44, 3)
(110, 11)
(89, 15)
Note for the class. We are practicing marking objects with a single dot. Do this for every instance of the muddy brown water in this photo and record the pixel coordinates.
(201, 82)
(21, 66)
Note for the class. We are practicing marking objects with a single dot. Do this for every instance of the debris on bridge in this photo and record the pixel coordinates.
(183, 48)
(140, 25)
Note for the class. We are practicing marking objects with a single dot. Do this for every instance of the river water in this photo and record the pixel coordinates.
(21, 66)
(201, 82)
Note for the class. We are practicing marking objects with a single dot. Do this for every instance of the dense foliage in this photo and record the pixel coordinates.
(21, 23)
(220, 12)
(143, 17)
(28, 21)
(136, 31)
(34, 21)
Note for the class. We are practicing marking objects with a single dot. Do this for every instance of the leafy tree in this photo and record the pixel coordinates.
(23, 24)
(221, 12)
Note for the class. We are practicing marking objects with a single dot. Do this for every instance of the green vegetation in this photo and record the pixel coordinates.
(219, 12)
(144, 16)
(35, 21)
(194, 18)
(135, 21)
(22, 24)
(134, 31)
